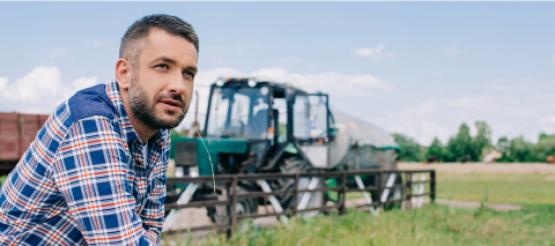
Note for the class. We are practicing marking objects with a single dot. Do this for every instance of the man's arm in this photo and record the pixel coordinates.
(91, 172)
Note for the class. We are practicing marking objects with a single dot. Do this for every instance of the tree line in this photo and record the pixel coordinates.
(467, 147)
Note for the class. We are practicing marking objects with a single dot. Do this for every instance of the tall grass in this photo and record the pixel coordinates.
(430, 225)
(534, 224)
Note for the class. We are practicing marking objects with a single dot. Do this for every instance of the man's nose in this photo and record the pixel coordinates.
(178, 84)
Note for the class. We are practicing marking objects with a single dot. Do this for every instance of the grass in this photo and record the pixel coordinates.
(430, 225)
(525, 189)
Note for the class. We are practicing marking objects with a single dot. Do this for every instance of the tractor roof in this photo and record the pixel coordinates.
(251, 82)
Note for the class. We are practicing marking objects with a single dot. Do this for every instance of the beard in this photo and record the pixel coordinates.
(138, 100)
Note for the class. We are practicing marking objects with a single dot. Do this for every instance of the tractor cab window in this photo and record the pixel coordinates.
(239, 112)
(310, 117)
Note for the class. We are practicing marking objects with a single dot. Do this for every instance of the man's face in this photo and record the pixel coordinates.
(161, 84)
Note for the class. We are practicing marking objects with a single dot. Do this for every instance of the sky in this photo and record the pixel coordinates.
(420, 69)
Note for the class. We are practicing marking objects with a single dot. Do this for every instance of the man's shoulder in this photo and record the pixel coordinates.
(92, 101)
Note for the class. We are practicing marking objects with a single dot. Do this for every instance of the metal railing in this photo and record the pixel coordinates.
(414, 186)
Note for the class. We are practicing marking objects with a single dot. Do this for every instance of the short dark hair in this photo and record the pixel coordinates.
(169, 23)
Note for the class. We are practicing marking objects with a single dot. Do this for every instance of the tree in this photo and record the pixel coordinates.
(503, 144)
(545, 147)
(518, 150)
(464, 147)
(410, 149)
(482, 141)
(460, 147)
(436, 152)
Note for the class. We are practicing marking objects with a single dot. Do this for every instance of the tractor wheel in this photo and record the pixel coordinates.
(290, 165)
(220, 215)
(296, 165)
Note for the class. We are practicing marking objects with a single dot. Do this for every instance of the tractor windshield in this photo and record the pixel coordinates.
(238, 112)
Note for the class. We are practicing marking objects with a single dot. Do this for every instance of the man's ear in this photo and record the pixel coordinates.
(123, 72)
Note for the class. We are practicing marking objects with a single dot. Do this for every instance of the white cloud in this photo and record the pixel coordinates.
(337, 84)
(39, 91)
(3, 83)
(452, 50)
(207, 77)
(84, 82)
(419, 121)
(377, 52)
(40, 83)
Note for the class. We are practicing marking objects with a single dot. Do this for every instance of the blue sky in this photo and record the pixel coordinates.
(416, 68)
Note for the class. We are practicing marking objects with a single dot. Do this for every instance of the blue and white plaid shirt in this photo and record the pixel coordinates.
(84, 180)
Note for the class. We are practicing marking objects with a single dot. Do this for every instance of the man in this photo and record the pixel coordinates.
(95, 174)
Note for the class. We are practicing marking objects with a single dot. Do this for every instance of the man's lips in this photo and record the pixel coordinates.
(171, 102)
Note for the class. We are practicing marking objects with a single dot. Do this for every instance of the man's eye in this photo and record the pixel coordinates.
(162, 67)
(189, 74)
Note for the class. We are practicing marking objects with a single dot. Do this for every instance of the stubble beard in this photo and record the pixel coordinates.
(138, 101)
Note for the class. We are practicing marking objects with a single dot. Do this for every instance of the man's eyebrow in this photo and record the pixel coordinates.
(172, 61)
(165, 59)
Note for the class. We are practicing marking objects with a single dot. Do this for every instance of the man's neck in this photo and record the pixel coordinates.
(144, 132)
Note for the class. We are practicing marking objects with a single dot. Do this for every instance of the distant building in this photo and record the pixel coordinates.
(491, 155)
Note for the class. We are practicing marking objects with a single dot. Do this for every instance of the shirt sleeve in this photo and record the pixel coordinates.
(91, 171)
(152, 213)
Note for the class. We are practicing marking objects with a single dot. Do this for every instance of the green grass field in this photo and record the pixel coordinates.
(430, 225)
(498, 188)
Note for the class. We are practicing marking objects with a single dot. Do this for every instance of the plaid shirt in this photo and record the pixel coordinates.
(84, 180)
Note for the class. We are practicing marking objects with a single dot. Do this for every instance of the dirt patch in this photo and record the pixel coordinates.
(474, 205)
(463, 168)
(550, 178)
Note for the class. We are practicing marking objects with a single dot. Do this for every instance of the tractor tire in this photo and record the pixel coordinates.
(221, 215)
(290, 165)
(293, 165)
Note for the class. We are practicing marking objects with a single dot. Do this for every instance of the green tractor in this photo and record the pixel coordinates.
(255, 126)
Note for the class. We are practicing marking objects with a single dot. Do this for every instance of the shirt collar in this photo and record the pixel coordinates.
(113, 92)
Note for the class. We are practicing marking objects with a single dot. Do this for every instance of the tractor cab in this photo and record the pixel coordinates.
(245, 108)
(271, 117)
